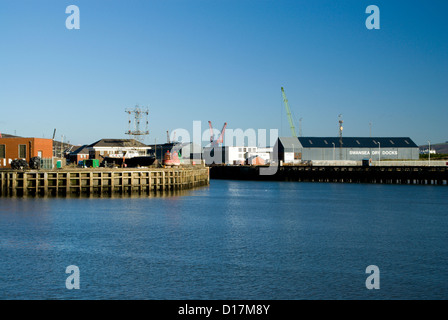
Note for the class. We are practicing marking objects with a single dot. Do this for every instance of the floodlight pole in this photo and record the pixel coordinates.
(379, 151)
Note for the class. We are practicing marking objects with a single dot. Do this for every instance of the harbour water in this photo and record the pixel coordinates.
(230, 240)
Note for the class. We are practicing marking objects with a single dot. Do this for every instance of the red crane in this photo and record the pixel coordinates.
(217, 142)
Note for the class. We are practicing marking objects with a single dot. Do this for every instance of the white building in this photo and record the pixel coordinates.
(234, 155)
(117, 147)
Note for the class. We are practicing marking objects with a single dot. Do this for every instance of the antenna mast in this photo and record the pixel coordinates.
(134, 128)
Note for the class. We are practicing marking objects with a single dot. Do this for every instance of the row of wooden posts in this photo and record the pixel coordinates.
(110, 181)
(344, 174)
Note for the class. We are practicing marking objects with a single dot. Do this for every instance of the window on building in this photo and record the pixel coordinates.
(325, 141)
(391, 142)
(311, 142)
(22, 150)
(407, 142)
(2, 151)
(358, 142)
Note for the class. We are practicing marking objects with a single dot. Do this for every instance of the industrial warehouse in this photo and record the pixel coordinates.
(299, 149)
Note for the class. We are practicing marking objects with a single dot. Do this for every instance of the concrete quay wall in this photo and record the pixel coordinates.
(100, 181)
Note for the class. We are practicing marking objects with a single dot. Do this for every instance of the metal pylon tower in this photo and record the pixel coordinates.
(136, 115)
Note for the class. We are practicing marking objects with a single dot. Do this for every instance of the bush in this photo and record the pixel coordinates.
(437, 156)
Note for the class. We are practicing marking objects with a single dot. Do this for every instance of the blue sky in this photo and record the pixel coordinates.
(224, 61)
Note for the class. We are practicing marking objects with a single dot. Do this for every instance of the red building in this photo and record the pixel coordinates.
(79, 154)
(24, 148)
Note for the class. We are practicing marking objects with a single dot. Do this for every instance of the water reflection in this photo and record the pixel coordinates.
(114, 195)
(229, 240)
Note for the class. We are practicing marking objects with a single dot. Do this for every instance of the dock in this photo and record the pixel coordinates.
(343, 174)
(85, 181)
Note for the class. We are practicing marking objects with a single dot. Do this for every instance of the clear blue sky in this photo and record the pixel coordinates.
(224, 61)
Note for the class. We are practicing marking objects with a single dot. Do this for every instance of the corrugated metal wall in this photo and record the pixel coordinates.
(359, 153)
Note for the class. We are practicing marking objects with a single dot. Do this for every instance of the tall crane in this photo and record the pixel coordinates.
(288, 113)
(212, 136)
(168, 140)
(213, 142)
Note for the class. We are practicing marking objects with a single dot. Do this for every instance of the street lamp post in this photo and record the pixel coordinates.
(293, 154)
(334, 149)
(379, 151)
(155, 153)
(429, 153)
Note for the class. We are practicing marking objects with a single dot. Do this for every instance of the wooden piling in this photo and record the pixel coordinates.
(99, 181)
(340, 174)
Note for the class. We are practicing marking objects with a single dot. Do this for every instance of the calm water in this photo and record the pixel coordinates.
(231, 240)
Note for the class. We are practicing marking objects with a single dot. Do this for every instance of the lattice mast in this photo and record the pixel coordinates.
(137, 115)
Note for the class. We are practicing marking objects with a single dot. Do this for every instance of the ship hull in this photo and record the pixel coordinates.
(139, 161)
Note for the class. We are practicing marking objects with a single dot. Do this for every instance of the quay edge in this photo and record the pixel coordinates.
(64, 182)
(342, 174)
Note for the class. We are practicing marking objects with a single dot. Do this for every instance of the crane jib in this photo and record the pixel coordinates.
(288, 113)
